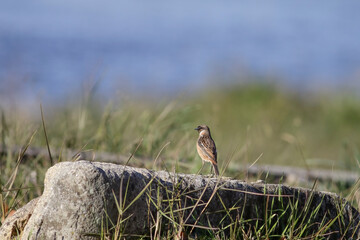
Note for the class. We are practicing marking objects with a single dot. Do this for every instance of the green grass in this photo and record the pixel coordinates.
(247, 121)
(280, 217)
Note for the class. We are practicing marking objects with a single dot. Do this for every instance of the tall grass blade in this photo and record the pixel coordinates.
(46, 137)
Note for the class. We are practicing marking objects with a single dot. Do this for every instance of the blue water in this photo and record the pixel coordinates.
(53, 47)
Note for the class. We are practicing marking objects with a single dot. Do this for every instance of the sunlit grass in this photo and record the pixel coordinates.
(248, 123)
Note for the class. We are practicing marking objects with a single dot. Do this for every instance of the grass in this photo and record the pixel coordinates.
(258, 122)
(279, 216)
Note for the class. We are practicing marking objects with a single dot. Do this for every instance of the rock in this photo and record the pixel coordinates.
(17, 222)
(82, 200)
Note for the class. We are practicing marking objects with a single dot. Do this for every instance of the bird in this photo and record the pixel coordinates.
(206, 147)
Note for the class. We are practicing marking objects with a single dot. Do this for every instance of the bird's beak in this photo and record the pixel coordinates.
(197, 128)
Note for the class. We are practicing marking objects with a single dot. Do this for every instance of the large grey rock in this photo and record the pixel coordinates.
(80, 198)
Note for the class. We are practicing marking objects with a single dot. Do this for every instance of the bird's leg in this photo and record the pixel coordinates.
(212, 171)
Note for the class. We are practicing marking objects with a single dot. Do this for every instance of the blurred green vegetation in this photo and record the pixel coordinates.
(288, 128)
(246, 121)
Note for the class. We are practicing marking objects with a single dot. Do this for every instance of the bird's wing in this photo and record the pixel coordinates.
(208, 147)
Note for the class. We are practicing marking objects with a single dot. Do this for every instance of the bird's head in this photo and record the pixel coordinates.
(203, 129)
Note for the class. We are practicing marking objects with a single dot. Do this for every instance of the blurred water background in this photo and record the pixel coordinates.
(48, 49)
(277, 82)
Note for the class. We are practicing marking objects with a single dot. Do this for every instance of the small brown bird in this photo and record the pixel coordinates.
(206, 147)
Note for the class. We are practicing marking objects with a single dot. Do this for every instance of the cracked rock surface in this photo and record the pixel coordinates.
(79, 197)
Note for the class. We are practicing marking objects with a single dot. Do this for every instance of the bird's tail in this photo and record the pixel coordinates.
(216, 170)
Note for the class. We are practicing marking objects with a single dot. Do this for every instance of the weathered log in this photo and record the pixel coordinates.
(33, 152)
(297, 174)
(288, 173)
(81, 198)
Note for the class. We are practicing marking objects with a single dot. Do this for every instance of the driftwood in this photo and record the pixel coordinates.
(292, 174)
(81, 198)
(297, 174)
(34, 152)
